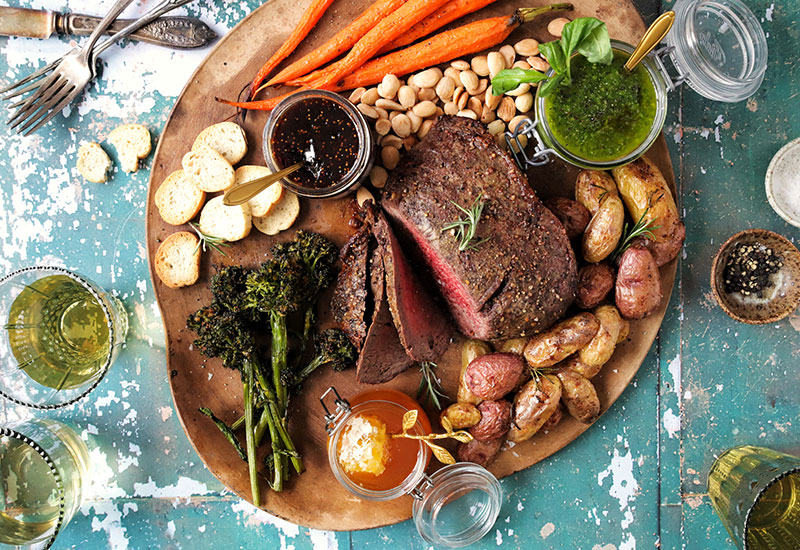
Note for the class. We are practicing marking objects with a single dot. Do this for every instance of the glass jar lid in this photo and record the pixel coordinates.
(719, 48)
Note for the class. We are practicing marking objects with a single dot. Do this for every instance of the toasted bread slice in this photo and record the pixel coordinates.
(207, 169)
(178, 260)
(261, 204)
(93, 162)
(226, 138)
(178, 199)
(282, 215)
(132, 142)
(230, 223)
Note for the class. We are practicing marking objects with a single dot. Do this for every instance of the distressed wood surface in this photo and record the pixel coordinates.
(635, 480)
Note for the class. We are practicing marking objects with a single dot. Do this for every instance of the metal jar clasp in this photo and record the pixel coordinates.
(516, 146)
(342, 408)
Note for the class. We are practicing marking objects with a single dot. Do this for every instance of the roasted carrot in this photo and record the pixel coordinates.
(340, 43)
(260, 104)
(441, 17)
(395, 24)
(445, 46)
(310, 17)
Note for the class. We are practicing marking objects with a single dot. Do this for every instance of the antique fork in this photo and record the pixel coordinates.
(66, 82)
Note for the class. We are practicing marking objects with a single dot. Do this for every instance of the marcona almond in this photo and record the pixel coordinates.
(507, 109)
(428, 78)
(389, 104)
(363, 195)
(410, 142)
(509, 54)
(425, 128)
(438, 112)
(539, 64)
(521, 65)
(416, 121)
(370, 96)
(355, 95)
(382, 113)
(496, 63)
(523, 88)
(378, 176)
(466, 113)
(462, 101)
(460, 65)
(453, 73)
(524, 102)
(450, 108)
(556, 26)
(389, 86)
(394, 114)
(406, 96)
(383, 126)
(390, 156)
(445, 88)
(424, 109)
(516, 121)
(480, 65)
(368, 110)
(483, 83)
(427, 94)
(527, 47)
(401, 125)
(475, 104)
(470, 80)
(491, 100)
(392, 140)
(496, 127)
(457, 93)
(487, 115)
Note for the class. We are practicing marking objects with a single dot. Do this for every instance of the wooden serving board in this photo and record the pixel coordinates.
(316, 499)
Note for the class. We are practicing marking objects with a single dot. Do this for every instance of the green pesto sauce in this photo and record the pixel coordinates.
(606, 112)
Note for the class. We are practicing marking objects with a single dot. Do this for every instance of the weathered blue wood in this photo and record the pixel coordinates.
(635, 480)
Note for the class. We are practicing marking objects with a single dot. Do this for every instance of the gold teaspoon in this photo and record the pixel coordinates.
(652, 36)
(246, 191)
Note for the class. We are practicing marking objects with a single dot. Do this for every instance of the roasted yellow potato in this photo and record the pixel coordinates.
(534, 404)
(574, 363)
(554, 419)
(592, 186)
(579, 396)
(560, 341)
(597, 352)
(604, 230)
(645, 191)
(624, 331)
(461, 415)
(516, 345)
(470, 350)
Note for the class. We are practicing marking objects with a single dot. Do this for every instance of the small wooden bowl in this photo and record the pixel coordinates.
(783, 300)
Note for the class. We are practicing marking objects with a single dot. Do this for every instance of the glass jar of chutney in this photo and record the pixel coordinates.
(453, 507)
(717, 47)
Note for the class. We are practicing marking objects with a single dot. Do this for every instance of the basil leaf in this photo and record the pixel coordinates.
(554, 55)
(550, 86)
(596, 46)
(508, 79)
(573, 36)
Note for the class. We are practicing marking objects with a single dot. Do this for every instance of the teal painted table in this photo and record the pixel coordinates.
(635, 480)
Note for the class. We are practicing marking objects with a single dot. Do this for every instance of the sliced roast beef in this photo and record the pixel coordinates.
(383, 356)
(523, 276)
(349, 301)
(424, 330)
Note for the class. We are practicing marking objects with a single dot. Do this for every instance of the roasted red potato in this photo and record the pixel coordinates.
(534, 404)
(493, 375)
(560, 341)
(638, 286)
(595, 282)
(572, 214)
(495, 420)
(482, 453)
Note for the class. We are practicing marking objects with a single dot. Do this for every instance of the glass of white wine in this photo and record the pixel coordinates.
(43, 465)
(62, 333)
(756, 493)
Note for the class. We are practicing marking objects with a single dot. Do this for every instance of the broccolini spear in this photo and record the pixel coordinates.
(332, 346)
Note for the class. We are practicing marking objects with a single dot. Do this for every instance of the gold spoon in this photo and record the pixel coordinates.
(246, 191)
(652, 36)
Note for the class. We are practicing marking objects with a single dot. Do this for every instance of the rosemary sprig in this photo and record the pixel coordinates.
(208, 240)
(466, 227)
(441, 454)
(429, 386)
(640, 229)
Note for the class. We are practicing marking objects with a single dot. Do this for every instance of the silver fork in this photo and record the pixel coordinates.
(147, 18)
(66, 82)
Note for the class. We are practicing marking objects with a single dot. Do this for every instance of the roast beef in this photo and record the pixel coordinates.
(349, 301)
(423, 329)
(523, 276)
(383, 356)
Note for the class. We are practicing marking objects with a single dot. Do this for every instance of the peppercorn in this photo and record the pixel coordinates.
(749, 269)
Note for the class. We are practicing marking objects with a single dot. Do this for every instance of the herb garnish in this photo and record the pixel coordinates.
(465, 228)
(208, 240)
(640, 229)
(429, 385)
(587, 36)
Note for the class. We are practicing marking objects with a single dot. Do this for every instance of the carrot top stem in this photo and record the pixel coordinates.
(529, 14)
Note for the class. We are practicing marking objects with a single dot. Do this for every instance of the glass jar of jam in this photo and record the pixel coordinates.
(453, 507)
(717, 47)
(326, 133)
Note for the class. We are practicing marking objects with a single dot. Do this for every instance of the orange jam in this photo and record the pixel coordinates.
(367, 453)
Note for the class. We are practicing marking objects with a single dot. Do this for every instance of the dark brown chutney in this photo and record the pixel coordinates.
(319, 133)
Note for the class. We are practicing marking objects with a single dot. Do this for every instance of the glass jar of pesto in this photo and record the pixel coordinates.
(609, 116)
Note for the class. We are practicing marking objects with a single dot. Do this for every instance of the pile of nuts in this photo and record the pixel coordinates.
(404, 111)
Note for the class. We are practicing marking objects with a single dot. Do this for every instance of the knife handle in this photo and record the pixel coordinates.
(172, 32)
(25, 22)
